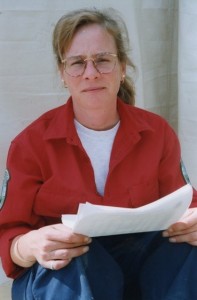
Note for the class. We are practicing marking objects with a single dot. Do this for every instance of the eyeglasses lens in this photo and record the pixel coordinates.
(104, 63)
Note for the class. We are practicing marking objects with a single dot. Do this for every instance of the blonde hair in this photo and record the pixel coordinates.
(67, 26)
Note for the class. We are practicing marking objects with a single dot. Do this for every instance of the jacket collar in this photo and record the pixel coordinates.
(133, 116)
(62, 122)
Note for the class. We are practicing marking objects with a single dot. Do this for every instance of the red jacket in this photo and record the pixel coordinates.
(50, 172)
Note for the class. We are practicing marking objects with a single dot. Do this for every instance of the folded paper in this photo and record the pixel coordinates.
(99, 220)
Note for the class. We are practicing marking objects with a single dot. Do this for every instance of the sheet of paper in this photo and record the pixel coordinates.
(97, 220)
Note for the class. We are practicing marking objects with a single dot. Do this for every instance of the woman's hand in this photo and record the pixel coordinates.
(185, 230)
(53, 246)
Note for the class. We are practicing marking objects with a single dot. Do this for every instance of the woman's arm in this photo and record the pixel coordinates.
(17, 248)
(55, 244)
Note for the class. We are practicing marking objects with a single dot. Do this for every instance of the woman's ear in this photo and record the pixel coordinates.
(64, 83)
(123, 70)
(61, 70)
(122, 78)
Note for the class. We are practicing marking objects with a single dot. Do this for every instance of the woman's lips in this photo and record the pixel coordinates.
(92, 89)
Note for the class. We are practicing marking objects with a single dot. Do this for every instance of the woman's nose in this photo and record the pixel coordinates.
(90, 69)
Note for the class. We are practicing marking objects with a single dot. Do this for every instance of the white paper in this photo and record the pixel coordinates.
(98, 220)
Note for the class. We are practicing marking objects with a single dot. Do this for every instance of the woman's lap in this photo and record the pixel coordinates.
(150, 266)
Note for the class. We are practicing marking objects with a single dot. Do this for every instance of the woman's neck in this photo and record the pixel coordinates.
(97, 119)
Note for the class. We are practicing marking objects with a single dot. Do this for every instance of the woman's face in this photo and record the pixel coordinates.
(93, 90)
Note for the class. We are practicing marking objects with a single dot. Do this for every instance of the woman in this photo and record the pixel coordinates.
(101, 149)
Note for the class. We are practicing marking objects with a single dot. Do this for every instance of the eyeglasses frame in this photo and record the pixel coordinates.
(90, 59)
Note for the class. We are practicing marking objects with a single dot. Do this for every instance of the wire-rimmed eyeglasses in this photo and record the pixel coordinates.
(103, 62)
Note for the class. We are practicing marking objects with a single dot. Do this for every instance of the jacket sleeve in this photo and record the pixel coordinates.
(172, 174)
(187, 180)
(16, 214)
(194, 201)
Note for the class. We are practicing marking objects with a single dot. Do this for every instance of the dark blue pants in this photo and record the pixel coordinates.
(142, 266)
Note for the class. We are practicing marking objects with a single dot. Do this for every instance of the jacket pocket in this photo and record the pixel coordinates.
(143, 193)
(53, 204)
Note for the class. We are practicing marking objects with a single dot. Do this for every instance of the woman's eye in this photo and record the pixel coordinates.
(77, 62)
(102, 59)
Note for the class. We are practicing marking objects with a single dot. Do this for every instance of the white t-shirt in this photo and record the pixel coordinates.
(98, 146)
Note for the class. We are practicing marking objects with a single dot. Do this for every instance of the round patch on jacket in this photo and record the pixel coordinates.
(184, 173)
(4, 188)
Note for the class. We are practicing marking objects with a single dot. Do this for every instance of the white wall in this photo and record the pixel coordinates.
(187, 84)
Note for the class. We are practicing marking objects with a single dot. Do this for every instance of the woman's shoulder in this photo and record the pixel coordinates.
(147, 117)
(40, 125)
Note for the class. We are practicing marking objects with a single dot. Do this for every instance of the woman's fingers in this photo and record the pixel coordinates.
(58, 245)
(185, 230)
